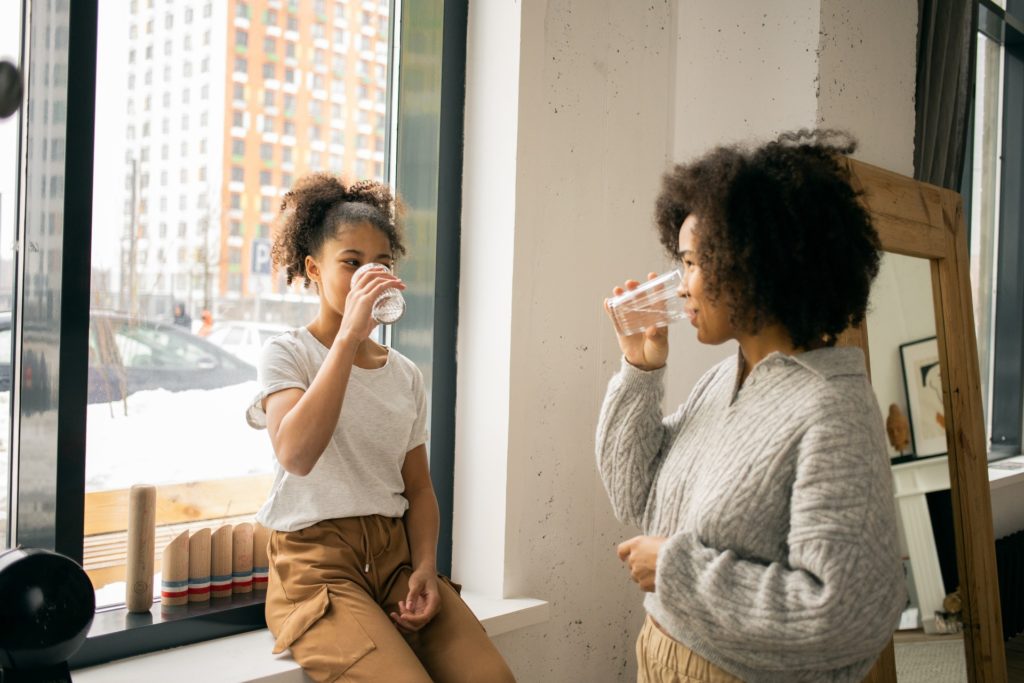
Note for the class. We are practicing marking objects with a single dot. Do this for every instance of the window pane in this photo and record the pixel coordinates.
(10, 47)
(166, 404)
(985, 204)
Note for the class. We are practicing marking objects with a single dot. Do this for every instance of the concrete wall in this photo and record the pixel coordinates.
(574, 109)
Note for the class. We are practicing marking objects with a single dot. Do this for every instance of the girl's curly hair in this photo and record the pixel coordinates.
(314, 208)
(782, 235)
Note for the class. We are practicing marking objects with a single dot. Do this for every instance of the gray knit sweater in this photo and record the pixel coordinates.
(782, 562)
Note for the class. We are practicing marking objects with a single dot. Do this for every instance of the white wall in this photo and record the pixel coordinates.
(574, 110)
(547, 232)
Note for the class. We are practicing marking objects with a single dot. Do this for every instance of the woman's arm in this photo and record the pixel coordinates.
(421, 527)
(630, 434)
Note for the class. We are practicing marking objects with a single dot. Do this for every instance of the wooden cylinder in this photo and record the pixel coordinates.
(141, 537)
(174, 570)
(220, 571)
(199, 566)
(260, 563)
(241, 560)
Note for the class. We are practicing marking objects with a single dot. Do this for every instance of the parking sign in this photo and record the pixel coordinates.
(261, 257)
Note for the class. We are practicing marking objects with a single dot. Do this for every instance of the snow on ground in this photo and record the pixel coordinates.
(165, 438)
(174, 437)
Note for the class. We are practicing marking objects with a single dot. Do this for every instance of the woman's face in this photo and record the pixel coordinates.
(340, 256)
(712, 319)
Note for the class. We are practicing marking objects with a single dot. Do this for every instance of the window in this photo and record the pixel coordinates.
(265, 178)
(269, 45)
(204, 270)
(269, 71)
(996, 224)
(237, 174)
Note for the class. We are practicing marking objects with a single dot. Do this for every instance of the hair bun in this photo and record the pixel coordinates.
(828, 139)
(371, 192)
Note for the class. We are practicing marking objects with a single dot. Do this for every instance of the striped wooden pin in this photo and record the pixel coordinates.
(220, 569)
(174, 572)
(199, 566)
(260, 563)
(241, 561)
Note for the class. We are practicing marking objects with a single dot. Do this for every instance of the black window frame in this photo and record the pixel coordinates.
(1006, 27)
(53, 518)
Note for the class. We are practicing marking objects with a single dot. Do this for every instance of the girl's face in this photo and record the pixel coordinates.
(340, 256)
(711, 318)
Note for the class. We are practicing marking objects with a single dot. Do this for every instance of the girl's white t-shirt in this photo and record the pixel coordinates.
(383, 417)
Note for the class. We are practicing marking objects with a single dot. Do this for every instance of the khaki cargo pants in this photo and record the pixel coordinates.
(331, 588)
(662, 659)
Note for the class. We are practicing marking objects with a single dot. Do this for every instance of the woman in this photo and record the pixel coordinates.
(770, 547)
(353, 589)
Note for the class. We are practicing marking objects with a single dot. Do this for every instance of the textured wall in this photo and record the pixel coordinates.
(574, 109)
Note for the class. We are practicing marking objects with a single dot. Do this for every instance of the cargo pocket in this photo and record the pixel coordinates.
(324, 637)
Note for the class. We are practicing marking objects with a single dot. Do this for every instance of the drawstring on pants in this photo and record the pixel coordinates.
(366, 546)
(368, 557)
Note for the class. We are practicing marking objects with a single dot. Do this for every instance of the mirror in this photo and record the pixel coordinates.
(907, 379)
(926, 223)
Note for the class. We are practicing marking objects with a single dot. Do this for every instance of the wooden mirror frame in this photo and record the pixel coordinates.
(920, 220)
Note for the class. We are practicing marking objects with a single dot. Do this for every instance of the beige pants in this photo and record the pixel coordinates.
(331, 588)
(662, 659)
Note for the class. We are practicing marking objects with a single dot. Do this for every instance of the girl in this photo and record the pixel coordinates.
(769, 550)
(353, 589)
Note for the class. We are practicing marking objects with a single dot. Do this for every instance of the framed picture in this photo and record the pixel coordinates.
(922, 379)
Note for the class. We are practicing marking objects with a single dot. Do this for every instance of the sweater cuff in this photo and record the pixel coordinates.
(672, 575)
(634, 377)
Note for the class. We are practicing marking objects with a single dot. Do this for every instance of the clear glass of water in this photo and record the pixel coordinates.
(390, 305)
(654, 303)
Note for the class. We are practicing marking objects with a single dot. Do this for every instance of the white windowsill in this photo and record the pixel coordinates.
(247, 658)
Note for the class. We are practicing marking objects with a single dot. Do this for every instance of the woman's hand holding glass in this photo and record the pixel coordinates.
(647, 350)
(357, 321)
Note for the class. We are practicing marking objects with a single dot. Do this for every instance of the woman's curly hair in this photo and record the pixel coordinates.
(314, 208)
(781, 234)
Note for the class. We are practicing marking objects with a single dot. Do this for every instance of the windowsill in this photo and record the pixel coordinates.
(250, 653)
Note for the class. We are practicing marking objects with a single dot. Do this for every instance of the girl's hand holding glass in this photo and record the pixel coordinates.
(368, 285)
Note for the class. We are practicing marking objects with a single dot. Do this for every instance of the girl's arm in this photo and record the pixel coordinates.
(301, 423)
(422, 520)
(421, 525)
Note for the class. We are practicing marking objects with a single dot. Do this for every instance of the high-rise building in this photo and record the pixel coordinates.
(228, 103)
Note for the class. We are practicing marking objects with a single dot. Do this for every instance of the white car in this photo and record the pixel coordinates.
(244, 339)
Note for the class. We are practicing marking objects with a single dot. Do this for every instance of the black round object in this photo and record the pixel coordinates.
(11, 89)
(46, 608)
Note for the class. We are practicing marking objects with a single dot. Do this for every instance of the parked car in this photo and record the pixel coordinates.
(128, 355)
(244, 339)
